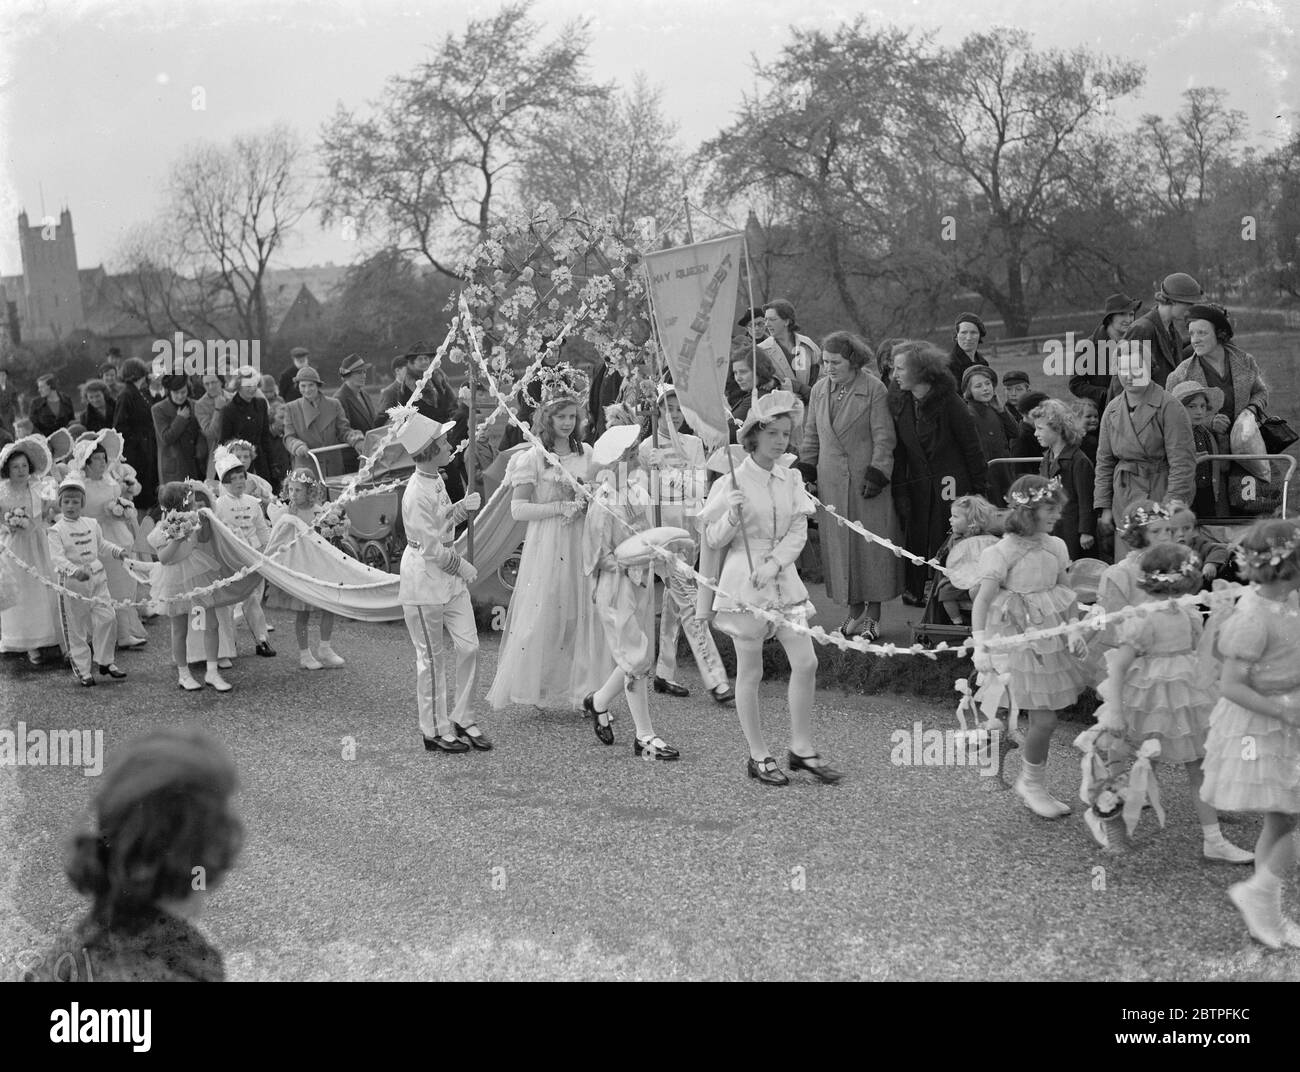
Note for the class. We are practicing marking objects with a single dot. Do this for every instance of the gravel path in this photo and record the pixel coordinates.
(554, 857)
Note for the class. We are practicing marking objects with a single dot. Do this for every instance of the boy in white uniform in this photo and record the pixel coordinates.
(242, 513)
(434, 590)
(76, 545)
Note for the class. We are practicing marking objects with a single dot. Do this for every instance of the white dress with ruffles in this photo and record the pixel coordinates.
(1043, 675)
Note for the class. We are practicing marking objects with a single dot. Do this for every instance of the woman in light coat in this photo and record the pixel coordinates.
(848, 449)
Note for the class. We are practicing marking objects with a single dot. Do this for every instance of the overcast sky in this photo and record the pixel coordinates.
(95, 97)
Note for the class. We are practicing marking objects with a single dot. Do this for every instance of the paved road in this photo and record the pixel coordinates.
(554, 857)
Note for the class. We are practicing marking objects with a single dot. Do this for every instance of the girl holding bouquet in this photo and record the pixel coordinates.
(1160, 689)
(26, 507)
(185, 565)
(305, 514)
(110, 500)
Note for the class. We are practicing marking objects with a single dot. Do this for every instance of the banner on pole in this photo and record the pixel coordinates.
(692, 299)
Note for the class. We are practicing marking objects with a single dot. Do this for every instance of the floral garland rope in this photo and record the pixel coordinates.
(817, 633)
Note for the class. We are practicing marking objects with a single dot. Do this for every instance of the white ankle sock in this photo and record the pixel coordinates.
(1212, 834)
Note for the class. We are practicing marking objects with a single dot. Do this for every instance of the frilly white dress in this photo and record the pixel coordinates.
(775, 522)
(191, 567)
(1043, 675)
(1168, 693)
(1252, 762)
(33, 622)
(553, 648)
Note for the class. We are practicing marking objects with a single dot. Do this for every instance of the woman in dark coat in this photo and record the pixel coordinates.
(937, 458)
(133, 418)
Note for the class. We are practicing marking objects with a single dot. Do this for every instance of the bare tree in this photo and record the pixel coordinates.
(424, 170)
(1184, 152)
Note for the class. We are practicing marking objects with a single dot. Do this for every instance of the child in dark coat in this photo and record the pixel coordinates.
(994, 423)
(1059, 433)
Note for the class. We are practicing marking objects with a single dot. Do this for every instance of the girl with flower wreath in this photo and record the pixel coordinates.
(553, 648)
(1022, 588)
(26, 507)
(1159, 689)
(312, 519)
(1252, 753)
(1146, 523)
(110, 500)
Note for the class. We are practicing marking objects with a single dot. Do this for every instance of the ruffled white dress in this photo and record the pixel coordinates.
(553, 648)
(1252, 762)
(33, 622)
(1044, 676)
(101, 497)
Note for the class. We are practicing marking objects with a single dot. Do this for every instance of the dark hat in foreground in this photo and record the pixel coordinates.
(1216, 314)
(750, 316)
(970, 318)
(1179, 287)
(1120, 303)
(1016, 376)
(353, 363)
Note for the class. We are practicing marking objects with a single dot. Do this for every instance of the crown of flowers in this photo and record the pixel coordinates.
(301, 476)
(563, 382)
(1032, 498)
(1273, 556)
(1141, 517)
(1190, 565)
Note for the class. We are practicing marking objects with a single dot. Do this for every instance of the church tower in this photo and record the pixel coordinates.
(50, 301)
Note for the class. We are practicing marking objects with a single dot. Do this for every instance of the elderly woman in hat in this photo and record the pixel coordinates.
(315, 420)
(26, 506)
(434, 591)
(108, 490)
(848, 445)
(967, 334)
(1218, 362)
(133, 420)
(358, 407)
(1094, 381)
(1162, 325)
(757, 517)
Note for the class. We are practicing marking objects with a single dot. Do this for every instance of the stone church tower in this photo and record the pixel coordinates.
(49, 303)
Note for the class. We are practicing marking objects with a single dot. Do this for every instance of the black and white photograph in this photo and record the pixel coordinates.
(549, 491)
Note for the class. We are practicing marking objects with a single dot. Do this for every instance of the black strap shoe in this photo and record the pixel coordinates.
(654, 749)
(723, 696)
(85, 679)
(112, 671)
(767, 772)
(671, 687)
(444, 744)
(814, 765)
(605, 730)
(264, 649)
(474, 736)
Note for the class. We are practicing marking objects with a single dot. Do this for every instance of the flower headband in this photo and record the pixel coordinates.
(1187, 569)
(563, 382)
(1141, 517)
(301, 476)
(1030, 498)
(1274, 555)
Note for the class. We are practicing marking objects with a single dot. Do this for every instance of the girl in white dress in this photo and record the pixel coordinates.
(26, 505)
(108, 501)
(553, 649)
(769, 503)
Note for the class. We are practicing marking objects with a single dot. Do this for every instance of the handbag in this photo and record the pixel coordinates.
(1277, 434)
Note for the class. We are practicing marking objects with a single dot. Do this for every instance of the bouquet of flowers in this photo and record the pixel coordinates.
(126, 476)
(121, 506)
(179, 524)
(332, 523)
(17, 518)
(1118, 779)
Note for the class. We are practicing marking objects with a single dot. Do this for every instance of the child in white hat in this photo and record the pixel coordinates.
(76, 546)
(434, 591)
(242, 513)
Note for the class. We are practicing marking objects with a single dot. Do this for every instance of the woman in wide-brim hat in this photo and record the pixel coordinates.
(757, 518)
(32, 622)
(108, 501)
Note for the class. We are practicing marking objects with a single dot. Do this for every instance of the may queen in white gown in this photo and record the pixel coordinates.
(553, 650)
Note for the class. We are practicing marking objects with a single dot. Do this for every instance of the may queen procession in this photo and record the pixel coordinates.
(633, 553)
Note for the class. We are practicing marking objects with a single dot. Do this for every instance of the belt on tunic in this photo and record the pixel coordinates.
(1143, 468)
